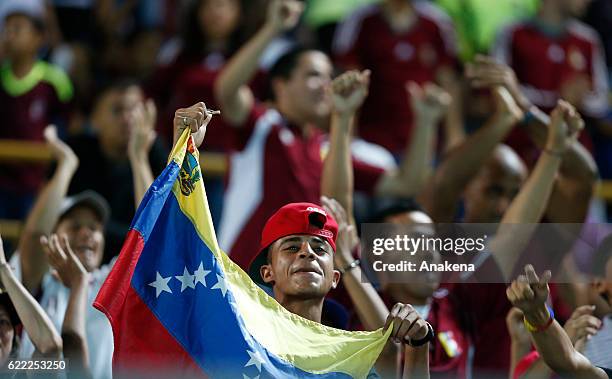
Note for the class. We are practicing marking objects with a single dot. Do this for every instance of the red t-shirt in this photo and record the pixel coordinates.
(448, 355)
(366, 40)
(545, 63)
(276, 165)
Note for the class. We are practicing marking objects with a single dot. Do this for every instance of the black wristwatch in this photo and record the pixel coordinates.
(428, 338)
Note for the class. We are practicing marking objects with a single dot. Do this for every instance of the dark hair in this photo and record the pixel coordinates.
(38, 23)
(285, 65)
(195, 44)
(7, 304)
(104, 86)
(602, 256)
(391, 206)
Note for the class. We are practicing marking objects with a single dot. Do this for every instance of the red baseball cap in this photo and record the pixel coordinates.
(293, 218)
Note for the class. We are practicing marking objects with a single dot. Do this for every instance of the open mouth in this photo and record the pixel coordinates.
(86, 251)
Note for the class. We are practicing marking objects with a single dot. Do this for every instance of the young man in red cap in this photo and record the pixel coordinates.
(296, 259)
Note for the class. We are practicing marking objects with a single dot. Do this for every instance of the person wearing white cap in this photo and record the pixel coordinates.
(60, 226)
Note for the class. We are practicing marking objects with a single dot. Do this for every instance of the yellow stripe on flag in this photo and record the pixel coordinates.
(307, 345)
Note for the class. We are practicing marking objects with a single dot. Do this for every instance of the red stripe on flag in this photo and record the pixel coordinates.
(143, 346)
(114, 291)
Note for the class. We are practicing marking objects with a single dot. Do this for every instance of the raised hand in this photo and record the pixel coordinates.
(564, 127)
(408, 326)
(529, 292)
(429, 101)
(347, 239)
(582, 325)
(349, 90)
(196, 118)
(142, 131)
(486, 72)
(506, 107)
(516, 327)
(62, 259)
(59, 149)
(284, 14)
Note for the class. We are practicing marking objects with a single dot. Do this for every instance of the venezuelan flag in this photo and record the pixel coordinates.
(179, 306)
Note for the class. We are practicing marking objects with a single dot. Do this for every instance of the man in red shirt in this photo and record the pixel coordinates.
(556, 56)
(399, 41)
(281, 156)
(33, 94)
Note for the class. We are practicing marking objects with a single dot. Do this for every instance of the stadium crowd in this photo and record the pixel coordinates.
(404, 112)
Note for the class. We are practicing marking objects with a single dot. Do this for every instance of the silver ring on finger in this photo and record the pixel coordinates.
(185, 121)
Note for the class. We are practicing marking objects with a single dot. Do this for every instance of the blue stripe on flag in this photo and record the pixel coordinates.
(151, 205)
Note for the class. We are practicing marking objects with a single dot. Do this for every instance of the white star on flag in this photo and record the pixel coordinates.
(186, 280)
(200, 275)
(221, 285)
(161, 284)
(254, 360)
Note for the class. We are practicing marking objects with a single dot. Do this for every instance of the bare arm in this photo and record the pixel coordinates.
(454, 131)
(577, 175)
(441, 195)
(529, 293)
(371, 309)
(231, 90)
(45, 213)
(416, 362)
(578, 172)
(142, 137)
(74, 276)
(529, 205)
(521, 346)
(348, 93)
(34, 319)
(429, 105)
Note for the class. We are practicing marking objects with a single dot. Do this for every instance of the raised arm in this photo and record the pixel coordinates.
(348, 92)
(45, 213)
(529, 205)
(142, 136)
(34, 319)
(371, 310)
(578, 172)
(74, 276)
(529, 293)
(231, 89)
(408, 327)
(441, 195)
(429, 105)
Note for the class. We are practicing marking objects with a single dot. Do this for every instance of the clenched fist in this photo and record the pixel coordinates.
(196, 118)
(408, 326)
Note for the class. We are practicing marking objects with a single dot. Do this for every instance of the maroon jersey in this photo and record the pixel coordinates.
(448, 352)
(448, 355)
(27, 106)
(277, 164)
(366, 40)
(544, 63)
